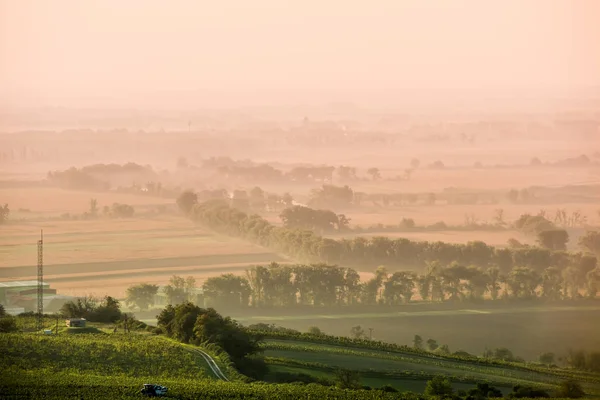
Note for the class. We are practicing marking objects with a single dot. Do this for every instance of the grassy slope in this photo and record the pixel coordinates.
(102, 354)
(408, 371)
(103, 366)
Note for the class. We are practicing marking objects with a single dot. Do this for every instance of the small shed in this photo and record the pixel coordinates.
(76, 322)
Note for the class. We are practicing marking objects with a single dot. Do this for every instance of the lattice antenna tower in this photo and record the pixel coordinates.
(40, 282)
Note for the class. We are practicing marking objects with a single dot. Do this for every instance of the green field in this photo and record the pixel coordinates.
(527, 330)
(111, 366)
(409, 371)
(104, 354)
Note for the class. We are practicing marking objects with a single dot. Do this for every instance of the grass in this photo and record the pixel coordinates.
(391, 363)
(403, 385)
(526, 331)
(101, 353)
(44, 384)
(409, 372)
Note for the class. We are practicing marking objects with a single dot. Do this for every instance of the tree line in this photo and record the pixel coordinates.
(322, 285)
(395, 254)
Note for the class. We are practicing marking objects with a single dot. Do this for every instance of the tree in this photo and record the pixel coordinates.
(347, 379)
(523, 282)
(432, 344)
(315, 330)
(553, 239)
(186, 201)
(93, 207)
(483, 390)
(80, 308)
(357, 332)
(552, 282)
(227, 290)
(570, 389)
(257, 199)
(439, 386)
(533, 224)
(287, 200)
(8, 324)
(226, 333)
(547, 358)
(346, 173)
(418, 342)
(499, 217)
(142, 295)
(300, 217)
(2, 311)
(122, 210)
(589, 242)
(374, 172)
(165, 319)
(528, 392)
(4, 211)
(176, 290)
(331, 196)
(109, 310)
(240, 200)
(443, 349)
(430, 199)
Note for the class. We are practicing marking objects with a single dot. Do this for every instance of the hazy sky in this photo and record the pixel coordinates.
(195, 53)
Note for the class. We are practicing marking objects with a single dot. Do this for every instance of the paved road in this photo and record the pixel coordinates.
(212, 364)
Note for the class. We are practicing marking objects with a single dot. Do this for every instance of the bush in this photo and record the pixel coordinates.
(528, 392)
(109, 310)
(122, 211)
(388, 389)
(8, 324)
(315, 330)
(439, 386)
(570, 390)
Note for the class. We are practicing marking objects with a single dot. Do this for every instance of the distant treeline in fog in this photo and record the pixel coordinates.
(569, 272)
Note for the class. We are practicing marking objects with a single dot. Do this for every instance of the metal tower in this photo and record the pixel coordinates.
(40, 282)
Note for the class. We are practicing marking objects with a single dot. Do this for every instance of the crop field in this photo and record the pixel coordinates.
(452, 214)
(526, 331)
(54, 201)
(106, 256)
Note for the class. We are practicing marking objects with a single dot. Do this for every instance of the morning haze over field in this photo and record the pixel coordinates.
(266, 199)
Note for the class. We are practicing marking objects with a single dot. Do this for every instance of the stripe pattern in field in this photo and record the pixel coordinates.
(106, 256)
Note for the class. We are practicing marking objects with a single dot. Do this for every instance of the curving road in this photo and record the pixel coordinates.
(212, 365)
